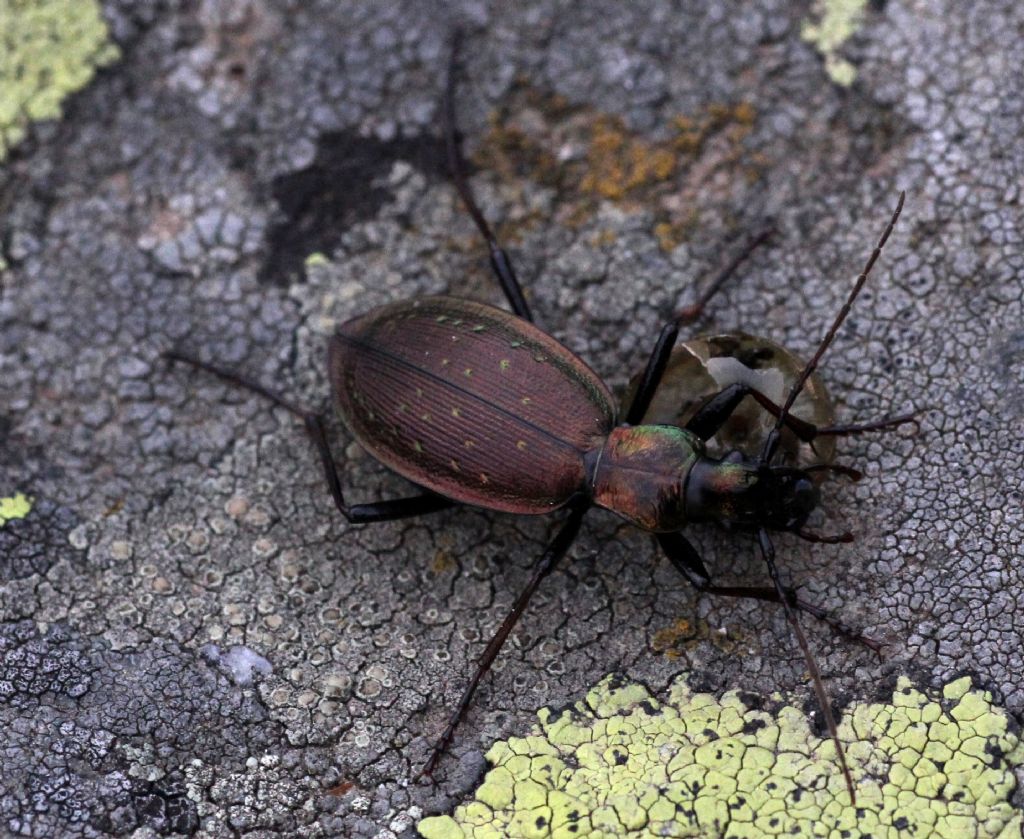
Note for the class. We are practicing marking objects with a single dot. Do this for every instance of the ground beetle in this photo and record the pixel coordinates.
(478, 406)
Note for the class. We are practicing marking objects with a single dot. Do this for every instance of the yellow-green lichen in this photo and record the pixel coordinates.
(317, 260)
(48, 49)
(13, 507)
(835, 21)
(620, 763)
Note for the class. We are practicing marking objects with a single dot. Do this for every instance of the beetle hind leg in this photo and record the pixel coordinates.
(501, 263)
(389, 510)
(684, 557)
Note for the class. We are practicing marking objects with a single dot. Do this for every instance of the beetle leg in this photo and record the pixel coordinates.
(390, 510)
(683, 555)
(690, 313)
(714, 413)
(653, 372)
(670, 331)
(501, 264)
(555, 550)
(823, 539)
(711, 416)
(884, 424)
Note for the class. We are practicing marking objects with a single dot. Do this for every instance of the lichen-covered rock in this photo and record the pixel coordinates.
(198, 641)
(620, 763)
(48, 50)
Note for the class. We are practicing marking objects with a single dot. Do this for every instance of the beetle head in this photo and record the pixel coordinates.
(749, 493)
(788, 496)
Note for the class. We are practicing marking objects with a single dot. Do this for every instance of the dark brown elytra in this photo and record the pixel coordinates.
(478, 406)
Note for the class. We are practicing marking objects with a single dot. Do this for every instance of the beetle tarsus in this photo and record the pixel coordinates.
(687, 561)
(885, 424)
(838, 469)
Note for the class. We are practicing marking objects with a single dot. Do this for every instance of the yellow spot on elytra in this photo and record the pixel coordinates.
(525, 400)
(454, 464)
(467, 372)
(515, 344)
(484, 479)
(521, 445)
(445, 362)
(402, 407)
(539, 357)
(455, 339)
(457, 322)
(425, 417)
(479, 327)
(416, 444)
(469, 444)
(456, 413)
(419, 391)
(441, 318)
(504, 364)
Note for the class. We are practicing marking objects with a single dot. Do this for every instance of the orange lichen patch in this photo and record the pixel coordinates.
(442, 562)
(671, 638)
(619, 164)
(589, 157)
(671, 234)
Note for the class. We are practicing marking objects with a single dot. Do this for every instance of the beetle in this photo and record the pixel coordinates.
(478, 406)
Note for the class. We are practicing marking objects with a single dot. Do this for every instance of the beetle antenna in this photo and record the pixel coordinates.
(768, 552)
(837, 469)
(772, 443)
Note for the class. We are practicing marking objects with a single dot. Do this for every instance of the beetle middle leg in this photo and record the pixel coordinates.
(389, 510)
(554, 552)
(684, 557)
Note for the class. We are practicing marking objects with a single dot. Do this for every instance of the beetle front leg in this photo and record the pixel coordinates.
(545, 565)
(714, 413)
(390, 510)
(684, 557)
(659, 357)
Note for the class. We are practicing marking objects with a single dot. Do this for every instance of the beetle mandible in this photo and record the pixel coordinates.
(479, 406)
